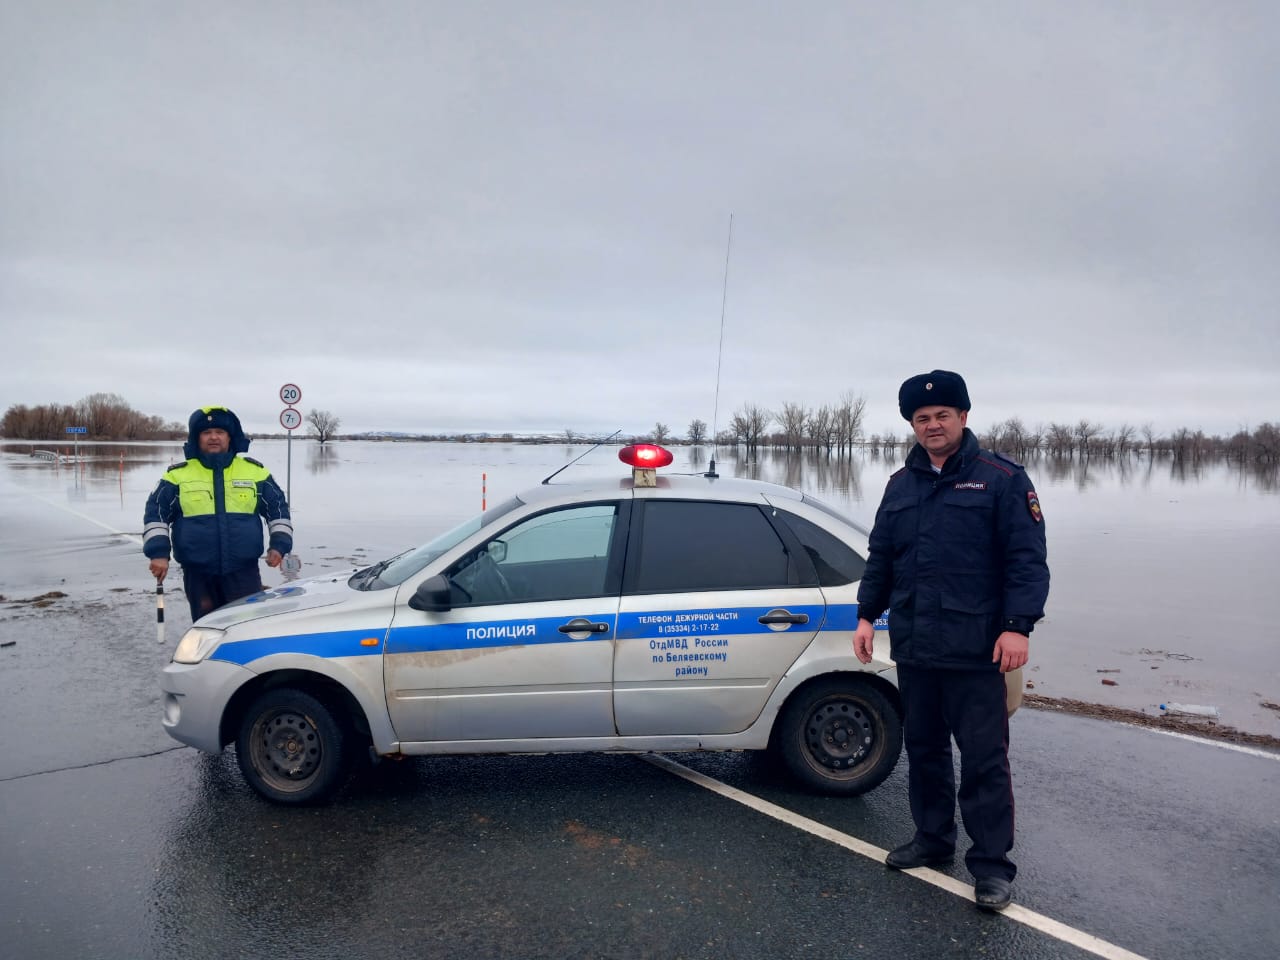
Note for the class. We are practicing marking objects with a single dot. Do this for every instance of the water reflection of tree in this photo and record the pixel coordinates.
(1086, 473)
(744, 464)
(813, 471)
(1060, 470)
(321, 458)
(1265, 476)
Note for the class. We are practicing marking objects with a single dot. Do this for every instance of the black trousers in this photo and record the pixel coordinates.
(208, 591)
(970, 706)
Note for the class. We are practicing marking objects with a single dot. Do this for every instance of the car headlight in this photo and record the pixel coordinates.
(196, 644)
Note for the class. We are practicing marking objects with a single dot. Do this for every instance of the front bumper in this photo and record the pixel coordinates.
(195, 697)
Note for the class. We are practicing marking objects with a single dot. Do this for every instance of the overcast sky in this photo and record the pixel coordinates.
(515, 216)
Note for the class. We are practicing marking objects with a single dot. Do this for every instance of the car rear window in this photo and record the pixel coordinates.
(692, 545)
(837, 563)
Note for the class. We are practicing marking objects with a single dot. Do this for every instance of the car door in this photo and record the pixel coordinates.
(527, 649)
(718, 602)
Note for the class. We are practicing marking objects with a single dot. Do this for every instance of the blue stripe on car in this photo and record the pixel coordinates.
(342, 643)
(667, 623)
(844, 616)
(489, 633)
(536, 630)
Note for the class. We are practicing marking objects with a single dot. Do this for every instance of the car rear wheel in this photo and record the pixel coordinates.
(839, 735)
(291, 748)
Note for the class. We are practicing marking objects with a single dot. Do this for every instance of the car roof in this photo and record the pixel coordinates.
(670, 485)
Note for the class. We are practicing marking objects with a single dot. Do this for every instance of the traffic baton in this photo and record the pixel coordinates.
(159, 610)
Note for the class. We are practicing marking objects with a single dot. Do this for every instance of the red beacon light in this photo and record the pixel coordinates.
(645, 456)
(644, 459)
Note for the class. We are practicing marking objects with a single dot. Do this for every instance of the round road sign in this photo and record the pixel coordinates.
(290, 394)
(290, 418)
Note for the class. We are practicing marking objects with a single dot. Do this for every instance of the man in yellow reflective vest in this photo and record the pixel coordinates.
(212, 502)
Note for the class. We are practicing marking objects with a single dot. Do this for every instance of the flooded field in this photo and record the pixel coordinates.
(1163, 579)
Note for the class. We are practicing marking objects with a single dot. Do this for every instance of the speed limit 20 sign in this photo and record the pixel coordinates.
(290, 418)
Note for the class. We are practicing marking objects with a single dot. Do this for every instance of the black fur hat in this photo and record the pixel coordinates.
(214, 418)
(939, 388)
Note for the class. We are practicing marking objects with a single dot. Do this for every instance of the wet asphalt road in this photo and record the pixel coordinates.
(118, 843)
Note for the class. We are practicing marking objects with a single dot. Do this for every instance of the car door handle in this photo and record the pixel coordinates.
(581, 625)
(781, 616)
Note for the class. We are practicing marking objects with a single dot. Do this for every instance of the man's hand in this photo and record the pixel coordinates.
(273, 558)
(1011, 650)
(864, 640)
(160, 568)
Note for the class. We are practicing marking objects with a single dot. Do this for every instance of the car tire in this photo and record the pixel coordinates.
(291, 748)
(839, 735)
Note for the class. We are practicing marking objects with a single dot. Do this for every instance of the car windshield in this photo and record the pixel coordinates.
(398, 569)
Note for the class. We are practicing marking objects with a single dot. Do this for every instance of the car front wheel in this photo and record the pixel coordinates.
(839, 736)
(291, 748)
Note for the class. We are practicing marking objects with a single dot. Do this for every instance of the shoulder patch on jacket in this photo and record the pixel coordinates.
(1033, 506)
(256, 463)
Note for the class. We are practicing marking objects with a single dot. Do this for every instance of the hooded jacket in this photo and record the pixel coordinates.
(958, 557)
(212, 504)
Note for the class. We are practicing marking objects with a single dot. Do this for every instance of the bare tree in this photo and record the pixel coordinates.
(1266, 442)
(749, 424)
(849, 412)
(104, 414)
(323, 424)
(697, 431)
(1035, 437)
(661, 432)
(792, 419)
(821, 427)
(1149, 435)
(1059, 439)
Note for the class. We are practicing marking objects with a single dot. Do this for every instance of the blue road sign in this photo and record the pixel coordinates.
(77, 429)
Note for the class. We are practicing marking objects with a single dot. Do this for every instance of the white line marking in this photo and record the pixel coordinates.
(1235, 747)
(85, 516)
(1037, 921)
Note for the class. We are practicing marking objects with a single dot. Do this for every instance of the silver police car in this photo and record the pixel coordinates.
(656, 612)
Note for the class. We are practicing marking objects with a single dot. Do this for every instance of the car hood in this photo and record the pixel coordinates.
(308, 594)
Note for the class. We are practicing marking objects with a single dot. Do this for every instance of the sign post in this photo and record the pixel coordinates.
(291, 420)
(75, 440)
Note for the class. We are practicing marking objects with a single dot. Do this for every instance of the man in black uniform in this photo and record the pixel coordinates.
(957, 554)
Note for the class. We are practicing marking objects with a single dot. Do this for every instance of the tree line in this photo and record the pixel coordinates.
(834, 428)
(108, 416)
(105, 416)
(838, 428)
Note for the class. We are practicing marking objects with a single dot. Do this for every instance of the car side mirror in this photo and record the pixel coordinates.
(497, 550)
(433, 594)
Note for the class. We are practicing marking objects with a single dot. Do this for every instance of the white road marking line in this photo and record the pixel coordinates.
(1037, 921)
(1235, 747)
(85, 516)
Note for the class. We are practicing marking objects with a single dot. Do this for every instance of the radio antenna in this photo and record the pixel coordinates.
(598, 443)
(724, 297)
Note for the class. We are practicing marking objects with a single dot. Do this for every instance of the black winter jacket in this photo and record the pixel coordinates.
(957, 557)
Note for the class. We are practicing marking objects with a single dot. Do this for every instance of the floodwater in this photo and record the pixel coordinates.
(1163, 587)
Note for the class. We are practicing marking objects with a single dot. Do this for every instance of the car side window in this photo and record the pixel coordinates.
(691, 545)
(837, 563)
(557, 555)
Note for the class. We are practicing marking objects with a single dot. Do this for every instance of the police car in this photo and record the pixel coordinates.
(655, 612)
